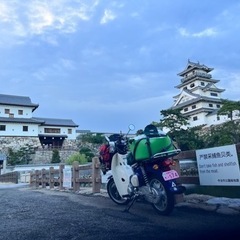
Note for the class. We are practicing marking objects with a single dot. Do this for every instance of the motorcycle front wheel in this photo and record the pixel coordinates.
(165, 204)
(114, 194)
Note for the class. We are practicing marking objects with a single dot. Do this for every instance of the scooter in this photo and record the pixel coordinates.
(141, 170)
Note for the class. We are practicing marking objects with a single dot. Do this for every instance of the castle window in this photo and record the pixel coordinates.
(20, 112)
(7, 111)
(11, 115)
(25, 128)
(51, 130)
(193, 106)
(210, 105)
(218, 105)
(213, 94)
(195, 118)
(192, 85)
(185, 109)
(2, 127)
(218, 118)
(69, 131)
(202, 84)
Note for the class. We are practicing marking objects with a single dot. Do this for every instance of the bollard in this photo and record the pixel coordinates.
(96, 175)
(75, 176)
(61, 167)
(51, 177)
(43, 172)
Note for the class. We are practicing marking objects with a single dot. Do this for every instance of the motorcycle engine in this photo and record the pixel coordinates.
(150, 194)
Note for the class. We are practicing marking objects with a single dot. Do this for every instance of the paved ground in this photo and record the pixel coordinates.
(42, 214)
(222, 205)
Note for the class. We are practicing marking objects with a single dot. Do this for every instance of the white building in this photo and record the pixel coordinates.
(199, 97)
(16, 120)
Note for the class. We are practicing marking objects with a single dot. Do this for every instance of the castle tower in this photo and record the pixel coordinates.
(199, 97)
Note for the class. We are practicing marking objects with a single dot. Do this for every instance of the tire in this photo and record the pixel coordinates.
(114, 194)
(165, 204)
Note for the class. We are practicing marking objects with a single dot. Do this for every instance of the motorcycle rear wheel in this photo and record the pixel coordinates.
(166, 203)
(114, 194)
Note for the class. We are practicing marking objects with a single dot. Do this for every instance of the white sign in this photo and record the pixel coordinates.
(67, 178)
(218, 166)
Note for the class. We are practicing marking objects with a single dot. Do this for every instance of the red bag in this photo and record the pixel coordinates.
(104, 153)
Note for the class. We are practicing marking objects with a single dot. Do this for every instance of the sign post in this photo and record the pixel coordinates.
(218, 166)
(67, 177)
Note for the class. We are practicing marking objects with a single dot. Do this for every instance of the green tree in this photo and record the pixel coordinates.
(92, 138)
(87, 152)
(78, 157)
(173, 120)
(55, 156)
(189, 139)
(229, 107)
(21, 156)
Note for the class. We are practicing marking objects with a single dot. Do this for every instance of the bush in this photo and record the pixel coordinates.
(87, 152)
(55, 156)
(77, 157)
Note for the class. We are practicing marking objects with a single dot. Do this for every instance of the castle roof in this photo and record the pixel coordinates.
(55, 122)
(17, 101)
(191, 66)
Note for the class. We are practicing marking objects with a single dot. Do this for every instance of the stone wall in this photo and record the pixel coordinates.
(17, 142)
(41, 155)
(45, 156)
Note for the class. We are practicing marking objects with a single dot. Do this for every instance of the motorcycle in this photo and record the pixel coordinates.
(141, 169)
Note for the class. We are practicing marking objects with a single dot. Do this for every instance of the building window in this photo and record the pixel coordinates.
(185, 109)
(213, 94)
(202, 84)
(2, 127)
(7, 111)
(51, 130)
(218, 118)
(11, 115)
(25, 128)
(69, 131)
(192, 85)
(195, 118)
(20, 112)
(194, 106)
(210, 105)
(218, 106)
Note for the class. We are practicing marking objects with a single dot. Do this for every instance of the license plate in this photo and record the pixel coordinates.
(169, 175)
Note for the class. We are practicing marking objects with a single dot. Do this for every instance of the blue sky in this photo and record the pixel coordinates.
(107, 64)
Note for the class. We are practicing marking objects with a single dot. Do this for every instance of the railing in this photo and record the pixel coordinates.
(11, 177)
(81, 175)
(193, 178)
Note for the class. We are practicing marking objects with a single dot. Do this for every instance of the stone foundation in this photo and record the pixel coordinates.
(41, 155)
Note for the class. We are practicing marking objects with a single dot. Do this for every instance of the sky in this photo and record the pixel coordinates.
(106, 64)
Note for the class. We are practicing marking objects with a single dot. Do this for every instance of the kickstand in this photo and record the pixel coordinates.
(130, 204)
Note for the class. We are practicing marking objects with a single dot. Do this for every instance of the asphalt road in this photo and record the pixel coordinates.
(44, 214)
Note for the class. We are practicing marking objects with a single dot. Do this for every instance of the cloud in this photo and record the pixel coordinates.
(43, 17)
(108, 16)
(5, 13)
(209, 32)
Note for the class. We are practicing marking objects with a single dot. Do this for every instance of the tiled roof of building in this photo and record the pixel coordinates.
(191, 65)
(17, 100)
(20, 120)
(56, 122)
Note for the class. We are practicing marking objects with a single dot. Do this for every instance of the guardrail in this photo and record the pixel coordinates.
(193, 177)
(81, 174)
(11, 177)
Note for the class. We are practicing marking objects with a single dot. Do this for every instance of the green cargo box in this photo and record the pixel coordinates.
(139, 147)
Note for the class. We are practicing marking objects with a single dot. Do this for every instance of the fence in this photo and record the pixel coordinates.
(53, 176)
(11, 177)
(193, 178)
(81, 174)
